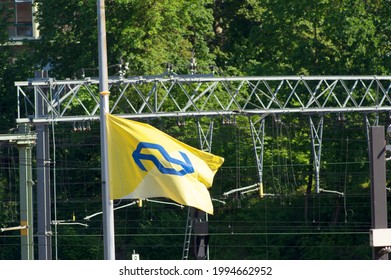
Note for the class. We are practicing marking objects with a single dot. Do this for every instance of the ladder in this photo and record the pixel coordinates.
(186, 244)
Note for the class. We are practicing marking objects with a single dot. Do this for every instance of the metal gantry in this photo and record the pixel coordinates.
(199, 95)
(196, 96)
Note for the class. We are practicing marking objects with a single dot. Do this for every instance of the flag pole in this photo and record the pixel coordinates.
(107, 203)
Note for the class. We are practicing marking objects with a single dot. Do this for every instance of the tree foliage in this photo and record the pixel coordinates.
(305, 37)
(145, 34)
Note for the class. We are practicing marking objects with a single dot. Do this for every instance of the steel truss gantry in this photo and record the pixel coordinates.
(202, 95)
(186, 96)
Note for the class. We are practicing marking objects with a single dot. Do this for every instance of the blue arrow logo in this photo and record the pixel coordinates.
(186, 164)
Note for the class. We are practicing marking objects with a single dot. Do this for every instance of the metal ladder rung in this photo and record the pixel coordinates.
(186, 244)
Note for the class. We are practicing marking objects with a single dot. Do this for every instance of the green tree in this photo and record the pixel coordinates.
(274, 37)
(356, 30)
(145, 34)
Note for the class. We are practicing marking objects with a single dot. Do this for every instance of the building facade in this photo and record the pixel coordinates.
(20, 16)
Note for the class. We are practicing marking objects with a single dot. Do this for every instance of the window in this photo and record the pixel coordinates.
(22, 23)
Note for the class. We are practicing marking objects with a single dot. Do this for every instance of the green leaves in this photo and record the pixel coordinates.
(269, 37)
(145, 34)
(306, 37)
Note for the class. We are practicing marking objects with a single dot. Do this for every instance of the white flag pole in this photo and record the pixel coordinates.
(107, 203)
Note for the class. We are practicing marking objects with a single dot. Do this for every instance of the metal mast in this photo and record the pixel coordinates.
(377, 158)
(43, 172)
(107, 203)
(25, 141)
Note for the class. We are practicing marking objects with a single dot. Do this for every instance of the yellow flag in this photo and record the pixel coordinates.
(144, 162)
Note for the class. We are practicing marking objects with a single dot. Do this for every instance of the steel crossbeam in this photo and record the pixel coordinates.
(202, 95)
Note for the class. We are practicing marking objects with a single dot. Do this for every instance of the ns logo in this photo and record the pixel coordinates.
(143, 152)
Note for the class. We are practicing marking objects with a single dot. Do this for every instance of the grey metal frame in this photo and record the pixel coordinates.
(188, 96)
(198, 95)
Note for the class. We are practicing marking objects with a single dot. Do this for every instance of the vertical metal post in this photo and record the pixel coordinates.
(26, 194)
(107, 203)
(43, 180)
(258, 137)
(316, 140)
(198, 219)
(377, 152)
(201, 234)
(205, 138)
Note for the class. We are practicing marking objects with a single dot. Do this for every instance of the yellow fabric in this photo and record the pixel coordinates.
(137, 171)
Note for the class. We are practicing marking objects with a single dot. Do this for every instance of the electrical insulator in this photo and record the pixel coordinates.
(261, 194)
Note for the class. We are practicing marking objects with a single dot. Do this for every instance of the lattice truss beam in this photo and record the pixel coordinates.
(192, 95)
(204, 95)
